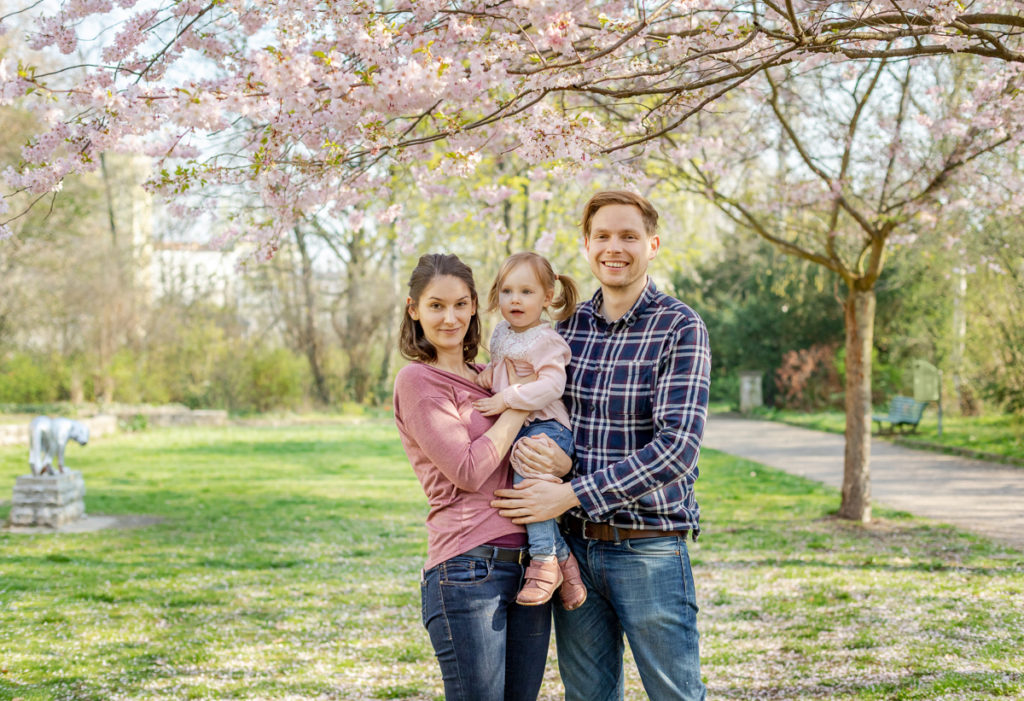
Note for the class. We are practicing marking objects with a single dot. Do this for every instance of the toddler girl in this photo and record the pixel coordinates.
(523, 290)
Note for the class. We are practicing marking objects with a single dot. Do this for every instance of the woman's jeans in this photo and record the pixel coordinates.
(489, 647)
(544, 536)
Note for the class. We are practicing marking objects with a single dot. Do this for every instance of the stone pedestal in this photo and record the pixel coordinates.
(750, 391)
(48, 500)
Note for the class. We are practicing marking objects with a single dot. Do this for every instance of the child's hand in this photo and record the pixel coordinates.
(486, 378)
(491, 405)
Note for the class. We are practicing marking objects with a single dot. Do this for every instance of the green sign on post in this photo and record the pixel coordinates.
(926, 381)
(928, 385)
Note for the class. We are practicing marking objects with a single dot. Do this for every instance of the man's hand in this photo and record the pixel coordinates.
(534, 500)
(491, 405)
(539, 455)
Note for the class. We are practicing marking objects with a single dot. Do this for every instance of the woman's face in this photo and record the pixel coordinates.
(444, 310)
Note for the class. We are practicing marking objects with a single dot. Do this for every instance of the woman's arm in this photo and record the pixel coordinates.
(431, 419)
(503, 432)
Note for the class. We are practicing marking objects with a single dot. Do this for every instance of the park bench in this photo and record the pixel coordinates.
(904, 413)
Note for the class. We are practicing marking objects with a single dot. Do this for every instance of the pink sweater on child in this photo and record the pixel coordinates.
(458, 466)
(538, 350)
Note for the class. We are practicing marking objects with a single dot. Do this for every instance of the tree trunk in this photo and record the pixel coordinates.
(860, 331)
(77, 388)
(310, 338)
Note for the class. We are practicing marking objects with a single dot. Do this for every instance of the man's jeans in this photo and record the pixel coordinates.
(488, 646)
(544, 536)
(642, 588)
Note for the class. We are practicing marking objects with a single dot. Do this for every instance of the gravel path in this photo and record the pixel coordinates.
(980, 497)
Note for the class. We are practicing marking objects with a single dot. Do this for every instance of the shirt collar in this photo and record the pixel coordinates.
(634, 312)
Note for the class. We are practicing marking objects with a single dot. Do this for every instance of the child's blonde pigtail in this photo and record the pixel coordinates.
(564, 305)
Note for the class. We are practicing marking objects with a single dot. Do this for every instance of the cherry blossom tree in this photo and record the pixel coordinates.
(836, 164)
(310, 106)
(305, 102)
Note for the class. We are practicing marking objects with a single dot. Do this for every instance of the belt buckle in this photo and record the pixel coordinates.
(583, 529)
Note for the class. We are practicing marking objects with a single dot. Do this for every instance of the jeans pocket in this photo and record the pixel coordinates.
(462, 571)
(423, 601)
(668, 546)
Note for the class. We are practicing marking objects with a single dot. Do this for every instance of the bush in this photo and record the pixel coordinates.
(726, 388)
(269, 378)
(29, 379)
(808, 378)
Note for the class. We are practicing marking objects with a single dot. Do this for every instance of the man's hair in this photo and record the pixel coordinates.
(647, 210)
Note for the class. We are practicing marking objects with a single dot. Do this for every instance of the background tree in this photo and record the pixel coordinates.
(759, 304)
(830, 164)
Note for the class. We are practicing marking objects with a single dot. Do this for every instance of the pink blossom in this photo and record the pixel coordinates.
(355, 220)
(294, 103)
(390, 214)
(493, 194)
(545, 242)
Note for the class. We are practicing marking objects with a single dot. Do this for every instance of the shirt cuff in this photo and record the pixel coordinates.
(507, 395)
(591, 499)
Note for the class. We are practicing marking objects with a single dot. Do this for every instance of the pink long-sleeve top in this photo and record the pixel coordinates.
(537, 350)
(458, 466)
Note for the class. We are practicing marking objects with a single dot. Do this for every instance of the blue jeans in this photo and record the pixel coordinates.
(544, 536)
(488, 646)
(642, 588)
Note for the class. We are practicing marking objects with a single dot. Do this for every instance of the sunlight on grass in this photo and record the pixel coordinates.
(287, 566)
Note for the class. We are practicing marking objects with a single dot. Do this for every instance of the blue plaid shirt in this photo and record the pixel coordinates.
(637, 394)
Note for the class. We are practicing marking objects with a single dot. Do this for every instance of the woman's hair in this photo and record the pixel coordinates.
(562, 306)
(647, 211)
(412, 342)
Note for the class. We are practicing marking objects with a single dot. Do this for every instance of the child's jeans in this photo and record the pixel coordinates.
(545, 539)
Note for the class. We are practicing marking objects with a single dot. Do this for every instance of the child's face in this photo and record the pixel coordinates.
(522, 298)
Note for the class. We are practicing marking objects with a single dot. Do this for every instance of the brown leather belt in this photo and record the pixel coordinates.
(590, 530)
(520, 556)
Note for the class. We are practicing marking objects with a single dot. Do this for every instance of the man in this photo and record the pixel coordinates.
(637, 394)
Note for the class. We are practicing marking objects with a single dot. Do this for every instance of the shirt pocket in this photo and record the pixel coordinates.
(630, 389)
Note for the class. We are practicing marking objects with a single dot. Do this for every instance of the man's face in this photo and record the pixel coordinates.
(619, 248)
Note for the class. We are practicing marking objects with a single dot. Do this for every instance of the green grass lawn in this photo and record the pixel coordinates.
(286, 567)
(991, 436)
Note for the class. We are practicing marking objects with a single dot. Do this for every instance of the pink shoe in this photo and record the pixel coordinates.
(542, 578)
(573, 591)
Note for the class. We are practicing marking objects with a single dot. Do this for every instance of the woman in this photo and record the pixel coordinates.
(488, 646)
